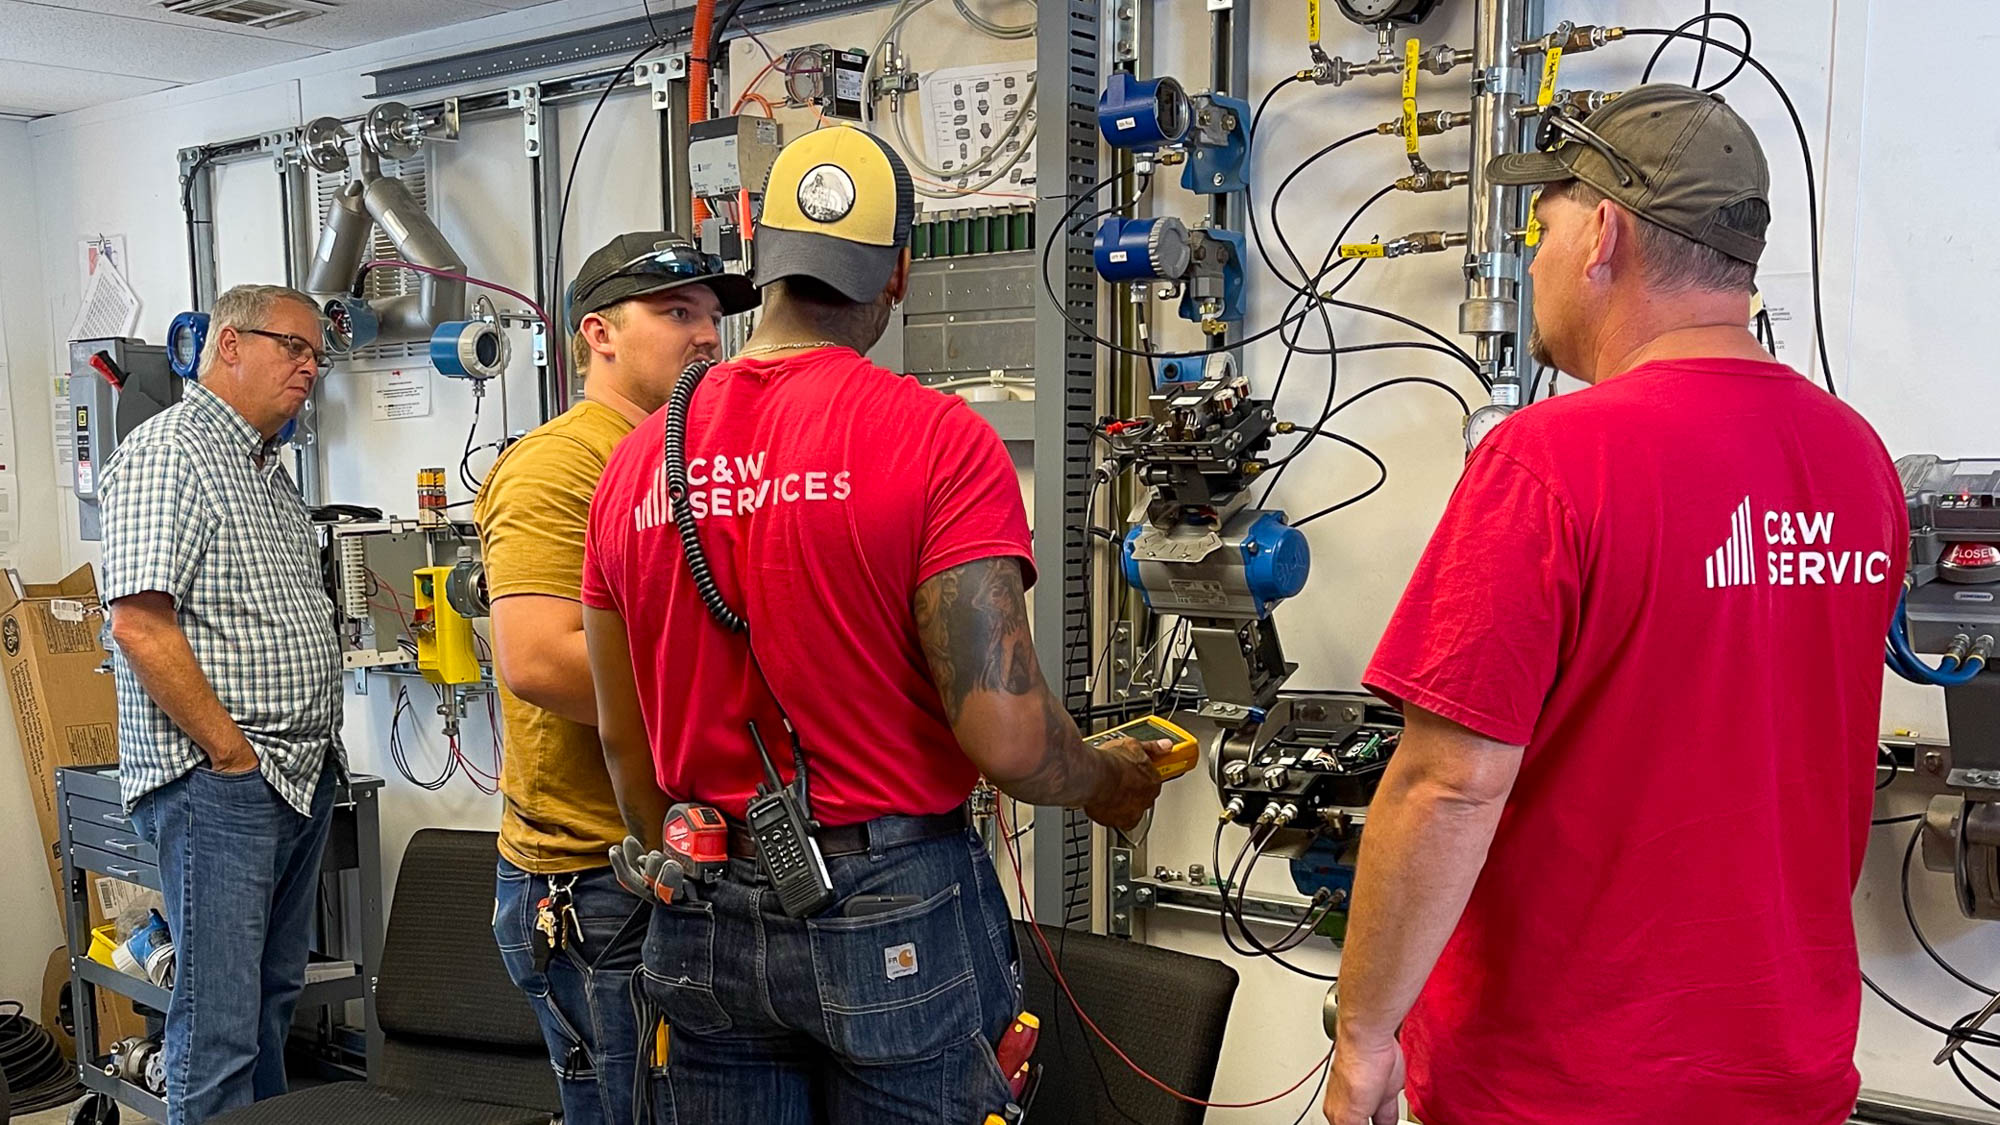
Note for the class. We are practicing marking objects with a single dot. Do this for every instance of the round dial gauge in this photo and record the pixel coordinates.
(1482, 422)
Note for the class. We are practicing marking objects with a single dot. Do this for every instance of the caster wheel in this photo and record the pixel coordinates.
(94, 1109)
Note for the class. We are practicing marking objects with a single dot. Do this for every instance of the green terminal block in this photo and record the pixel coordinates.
(920, 240)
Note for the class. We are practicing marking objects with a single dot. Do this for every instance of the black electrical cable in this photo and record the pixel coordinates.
(556, 292)
(1886, 755)
(1277, 230)
(1318, 429)
(1708, 16)
(465, 476)
(1974, 1036)
(1952, 1062)
(1381, 478)
(1701, 53)
(1254, 850)
(1917, 931)
(1812, 189)
(38, 1077)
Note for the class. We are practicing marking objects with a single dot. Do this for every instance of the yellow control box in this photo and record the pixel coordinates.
(1178, 759)
(443, 636)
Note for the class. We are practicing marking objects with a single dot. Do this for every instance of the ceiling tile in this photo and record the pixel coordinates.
(40, 88)
(371, 21)
(135, 47)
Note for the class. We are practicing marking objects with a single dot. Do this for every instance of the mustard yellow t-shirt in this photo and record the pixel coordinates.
(559, 814)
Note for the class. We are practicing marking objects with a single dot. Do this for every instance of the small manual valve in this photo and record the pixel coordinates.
(1429, 181)
(1572, 39)
(1430, 123)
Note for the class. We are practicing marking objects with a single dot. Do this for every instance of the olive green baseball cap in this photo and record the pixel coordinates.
(1692, 153)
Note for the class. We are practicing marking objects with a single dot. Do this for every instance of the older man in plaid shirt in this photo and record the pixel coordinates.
(229, 699)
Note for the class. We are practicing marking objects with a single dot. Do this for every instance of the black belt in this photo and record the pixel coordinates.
(852, 839)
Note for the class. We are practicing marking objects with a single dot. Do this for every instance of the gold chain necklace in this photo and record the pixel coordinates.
(762, 349)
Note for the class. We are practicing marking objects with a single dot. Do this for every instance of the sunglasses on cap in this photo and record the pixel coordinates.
(669, 262)
(1561, 124)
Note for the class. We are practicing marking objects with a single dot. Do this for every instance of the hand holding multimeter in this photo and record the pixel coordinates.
(1144, 753)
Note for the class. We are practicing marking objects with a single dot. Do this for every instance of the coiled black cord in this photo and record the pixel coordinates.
(677, 497)
(38, 1077)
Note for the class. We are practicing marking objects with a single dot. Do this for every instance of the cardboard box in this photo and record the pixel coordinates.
(66, 713)
(65, 708)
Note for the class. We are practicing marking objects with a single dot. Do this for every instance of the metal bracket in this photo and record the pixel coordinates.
(1123, 893)
(528, 99)
(1500, 263)
(1502, 80)
(282, 146)
(661, 74)
(1124, 31)
(1122, 657)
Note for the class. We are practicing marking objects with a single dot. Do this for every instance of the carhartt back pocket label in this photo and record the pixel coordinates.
(900, 961)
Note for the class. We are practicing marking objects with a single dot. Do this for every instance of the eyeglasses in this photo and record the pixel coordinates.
(1561, 125)
(296, 347)
(673, 261)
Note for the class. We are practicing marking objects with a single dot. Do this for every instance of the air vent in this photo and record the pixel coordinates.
(251, 13)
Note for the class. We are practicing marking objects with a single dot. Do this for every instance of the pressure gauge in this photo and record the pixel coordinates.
(1482, 422)
(1370, 12)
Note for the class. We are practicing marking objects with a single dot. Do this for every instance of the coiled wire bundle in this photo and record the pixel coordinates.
(37, 1075)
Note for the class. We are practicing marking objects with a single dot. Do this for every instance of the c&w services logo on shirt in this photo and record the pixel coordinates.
(1798, 550)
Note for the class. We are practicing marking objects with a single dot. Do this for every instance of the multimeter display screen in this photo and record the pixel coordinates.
(1144, 730)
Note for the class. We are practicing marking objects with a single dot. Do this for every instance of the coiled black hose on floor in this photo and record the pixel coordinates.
(37, 1075)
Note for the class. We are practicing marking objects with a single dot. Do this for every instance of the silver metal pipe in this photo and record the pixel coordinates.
(1491, 311)
(343, 242)
(418, 240)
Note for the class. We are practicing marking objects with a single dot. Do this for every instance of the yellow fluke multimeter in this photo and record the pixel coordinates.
(1178, 759)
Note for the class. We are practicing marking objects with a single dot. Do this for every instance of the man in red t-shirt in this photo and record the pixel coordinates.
(1607, 877)
(871, 532)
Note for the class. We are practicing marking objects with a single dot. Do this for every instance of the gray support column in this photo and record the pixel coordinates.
(1068, 67)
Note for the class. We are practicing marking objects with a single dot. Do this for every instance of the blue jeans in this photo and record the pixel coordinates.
(883, 1018)
(239, 869)
(583, 999)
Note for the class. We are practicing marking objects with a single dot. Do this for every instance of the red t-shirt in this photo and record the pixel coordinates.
(1672, 588)
(826, 489)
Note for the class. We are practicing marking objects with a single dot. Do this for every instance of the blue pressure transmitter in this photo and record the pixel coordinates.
(186, 336)
(1143, 114)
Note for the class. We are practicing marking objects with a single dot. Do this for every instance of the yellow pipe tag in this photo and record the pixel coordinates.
(1532, 236)
(1412, 54)
(1361, 250)
(1551, 63)
(1312, 21)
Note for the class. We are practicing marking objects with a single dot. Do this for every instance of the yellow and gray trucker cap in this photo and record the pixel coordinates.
(838, 208)
(1695, 155)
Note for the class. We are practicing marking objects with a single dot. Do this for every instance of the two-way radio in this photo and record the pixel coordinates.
(780, 816)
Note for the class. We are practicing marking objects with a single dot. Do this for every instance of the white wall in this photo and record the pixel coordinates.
(28, 933)
(1895, 287)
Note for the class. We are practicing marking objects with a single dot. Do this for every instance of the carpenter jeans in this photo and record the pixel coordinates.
(239, 870)
(583, 999)
(881, 1019)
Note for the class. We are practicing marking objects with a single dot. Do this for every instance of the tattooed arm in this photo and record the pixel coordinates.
(974, 623)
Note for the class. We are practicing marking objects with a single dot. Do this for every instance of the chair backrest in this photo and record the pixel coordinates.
(1166, 1009)
(452, 1020)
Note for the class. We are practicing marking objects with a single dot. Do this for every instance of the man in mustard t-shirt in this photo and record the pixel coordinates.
(642, 308)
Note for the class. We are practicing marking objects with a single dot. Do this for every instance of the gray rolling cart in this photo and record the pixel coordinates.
(97, 837)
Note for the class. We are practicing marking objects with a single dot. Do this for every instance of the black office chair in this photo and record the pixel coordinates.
(1165, 1009)
(460, 1044)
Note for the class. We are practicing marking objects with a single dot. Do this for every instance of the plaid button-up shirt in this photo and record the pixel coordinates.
(189, 511)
